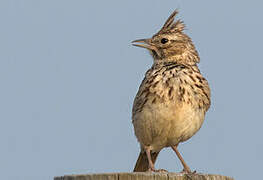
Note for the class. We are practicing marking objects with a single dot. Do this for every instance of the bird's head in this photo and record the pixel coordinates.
(170, 44)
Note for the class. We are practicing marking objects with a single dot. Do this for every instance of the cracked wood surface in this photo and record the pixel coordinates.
(143, 176)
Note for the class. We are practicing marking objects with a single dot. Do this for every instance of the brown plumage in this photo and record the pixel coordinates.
(173, 98)
(142, 161)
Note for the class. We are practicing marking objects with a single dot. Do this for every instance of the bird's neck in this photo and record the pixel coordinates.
(189, 58)
(174, 64)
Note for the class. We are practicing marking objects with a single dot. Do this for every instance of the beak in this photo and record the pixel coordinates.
(146, 43)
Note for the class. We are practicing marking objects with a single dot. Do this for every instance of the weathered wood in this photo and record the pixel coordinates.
(143, 176)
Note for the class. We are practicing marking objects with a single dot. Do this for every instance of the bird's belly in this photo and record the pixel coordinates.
(166, 124)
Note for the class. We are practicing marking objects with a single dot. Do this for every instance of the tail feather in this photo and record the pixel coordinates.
(142, 164)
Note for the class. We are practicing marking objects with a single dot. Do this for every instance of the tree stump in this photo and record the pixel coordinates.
(144, 176)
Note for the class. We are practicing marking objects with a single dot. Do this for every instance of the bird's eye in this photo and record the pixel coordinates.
(164, 40)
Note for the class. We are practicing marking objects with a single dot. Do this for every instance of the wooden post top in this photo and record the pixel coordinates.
(143, 176)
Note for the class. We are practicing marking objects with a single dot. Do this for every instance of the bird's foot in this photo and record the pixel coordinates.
(157, 170)
(187, 171)
(161, 171)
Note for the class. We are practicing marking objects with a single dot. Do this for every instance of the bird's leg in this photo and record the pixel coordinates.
(186, 168)
(151, 165)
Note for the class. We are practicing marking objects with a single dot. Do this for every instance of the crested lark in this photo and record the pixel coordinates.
(173, 98)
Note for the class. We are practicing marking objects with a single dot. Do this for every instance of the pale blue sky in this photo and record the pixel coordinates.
(69, 74)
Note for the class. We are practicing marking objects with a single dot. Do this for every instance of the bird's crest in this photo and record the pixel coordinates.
(170, 26)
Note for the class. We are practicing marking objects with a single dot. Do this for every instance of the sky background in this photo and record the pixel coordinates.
(69, 74)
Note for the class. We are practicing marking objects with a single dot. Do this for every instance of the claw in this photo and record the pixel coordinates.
(188, 171)
(157, 170)
(161, 171)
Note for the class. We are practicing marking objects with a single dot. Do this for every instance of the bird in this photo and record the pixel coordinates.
(173, 98)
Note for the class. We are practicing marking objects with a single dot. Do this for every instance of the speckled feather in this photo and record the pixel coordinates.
(171, 87)
(173, 98)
